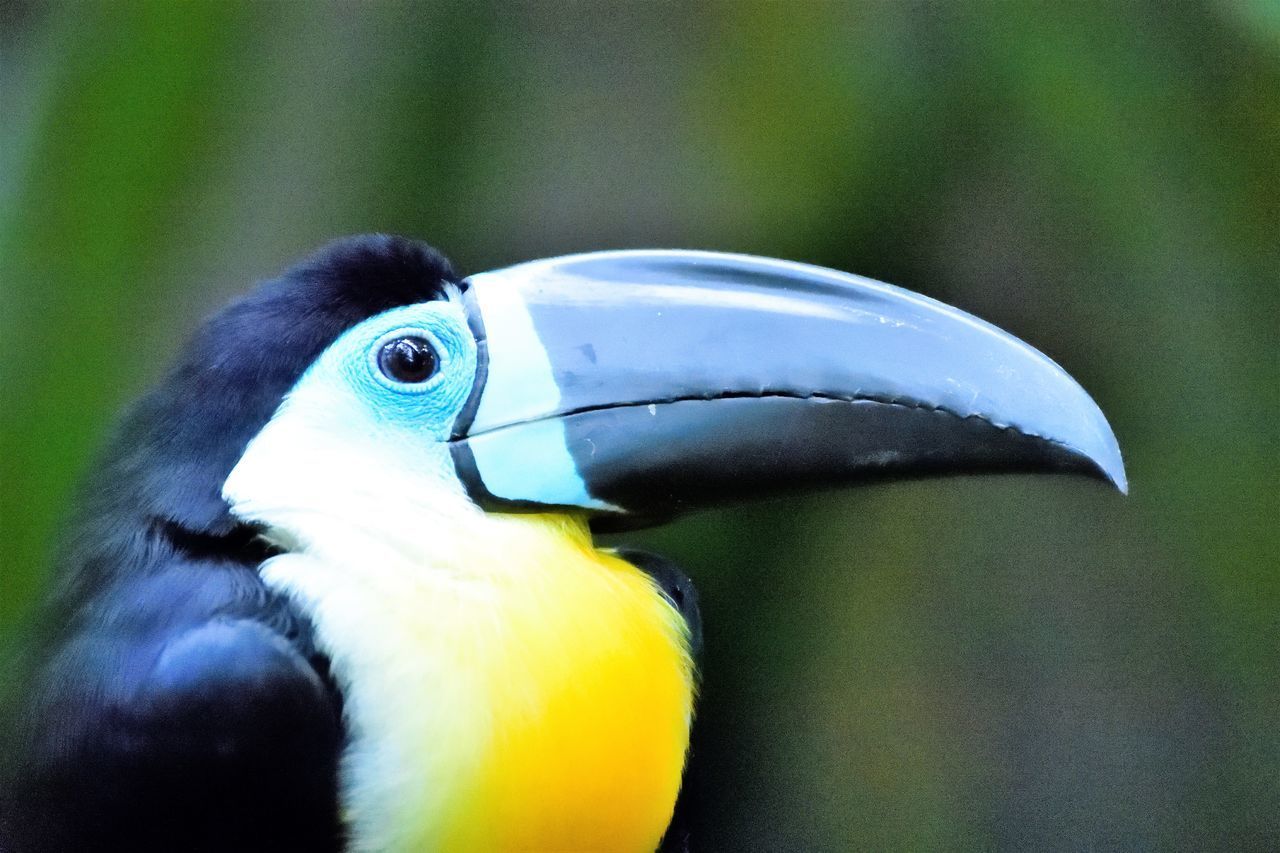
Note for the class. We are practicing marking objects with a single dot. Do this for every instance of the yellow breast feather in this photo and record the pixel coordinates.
(533, 694)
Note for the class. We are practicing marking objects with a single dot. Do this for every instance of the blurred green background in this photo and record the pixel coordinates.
(1022, 662)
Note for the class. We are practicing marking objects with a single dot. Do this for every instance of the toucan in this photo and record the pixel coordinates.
(332, 585)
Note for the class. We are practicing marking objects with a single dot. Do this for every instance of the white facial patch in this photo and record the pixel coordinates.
(348, 443)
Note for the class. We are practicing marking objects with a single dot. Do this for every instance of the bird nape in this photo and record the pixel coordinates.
(332, 585)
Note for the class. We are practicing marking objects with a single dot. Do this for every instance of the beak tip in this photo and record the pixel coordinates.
(1088, 434)
(1116, 474)
(1111, 462)
(1118, 477)
(1106, 460)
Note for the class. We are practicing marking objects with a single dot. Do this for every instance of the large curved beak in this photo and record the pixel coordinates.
(642, 384)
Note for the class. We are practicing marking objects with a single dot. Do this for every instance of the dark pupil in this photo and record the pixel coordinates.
(407, 360)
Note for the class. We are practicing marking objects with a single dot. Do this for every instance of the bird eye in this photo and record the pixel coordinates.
(410, 360)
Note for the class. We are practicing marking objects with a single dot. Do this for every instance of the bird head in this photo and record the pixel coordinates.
(629, 387)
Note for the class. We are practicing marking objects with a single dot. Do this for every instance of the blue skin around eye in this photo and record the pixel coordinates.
(427, 409)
